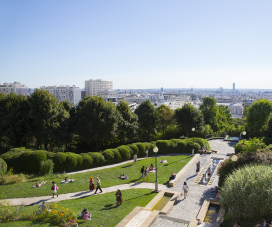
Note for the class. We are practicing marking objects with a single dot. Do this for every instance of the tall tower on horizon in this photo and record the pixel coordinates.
(233, 87)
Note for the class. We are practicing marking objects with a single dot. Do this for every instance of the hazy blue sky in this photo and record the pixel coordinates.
(137, 44)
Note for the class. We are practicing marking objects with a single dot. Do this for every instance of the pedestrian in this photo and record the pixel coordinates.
(91, 184)
(146, 152)
(209, 173)
(197, 167)
(135, 158)
(145, 173)
(119, 198)
(98, 184)
(185, 189)
(54, 189)
(142, 172)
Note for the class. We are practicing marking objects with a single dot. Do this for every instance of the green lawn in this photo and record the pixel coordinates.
(103, 208)
(108, 177)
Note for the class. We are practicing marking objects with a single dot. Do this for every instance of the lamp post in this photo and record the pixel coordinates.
(234, 159)
(155, 149)
(244, 133)
(193, 150)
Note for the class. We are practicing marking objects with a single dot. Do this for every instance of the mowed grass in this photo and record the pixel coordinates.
(102, 206)
(109, 177)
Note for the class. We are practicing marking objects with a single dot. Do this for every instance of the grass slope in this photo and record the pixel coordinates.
(103, 208)
(108, 177)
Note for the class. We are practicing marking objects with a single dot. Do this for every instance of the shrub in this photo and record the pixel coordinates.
(249, 146)
(71, 162)
(87, 161)
(10, 178)
(59, 160)
(79, 162)
(246, 192)
(109, 156)
(130, 150)
(180, 146)
(46, 167)
(124, 152)
(98, 159)
(134, 149)
(3, 167)
(150, 146)
(164, 146)
(117, 155)
(141, 149)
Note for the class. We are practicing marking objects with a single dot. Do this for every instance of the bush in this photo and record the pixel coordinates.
(98, 159)
(71, 162)
(46, 167)
(180, 146)
(117, 156)
(134, 149)
(141, 149)
(164, 146)
(249, 146)
(79, 162)
(87, 161)
(124, 152)
(150, 146)
(246, 193)
(59, 160)
(3, 167)
(109, 156)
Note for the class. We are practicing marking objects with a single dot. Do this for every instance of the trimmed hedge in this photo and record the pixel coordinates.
(87, 161)
(164, 146)
(141, 148)
(134, 149)
(117, 156)
(98, 159)
(47, 167)
(59, 160)
(3, 167)
(109, 156)
(71, 162)
(124, 152)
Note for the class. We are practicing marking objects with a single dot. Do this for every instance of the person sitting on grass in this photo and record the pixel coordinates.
(172, 177)
(163, 161)
(42, 207)
(151, 167)
(266, 223)
(123, 176)
(237, 224)
(87, 213)
(37, 185)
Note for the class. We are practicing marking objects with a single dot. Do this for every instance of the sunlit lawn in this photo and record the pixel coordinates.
(108, 177)
(102, 206)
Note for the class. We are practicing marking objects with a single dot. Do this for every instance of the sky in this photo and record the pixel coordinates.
(137, 44)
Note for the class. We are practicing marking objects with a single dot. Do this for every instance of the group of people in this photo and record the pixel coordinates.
(144, 173)
(98, 185)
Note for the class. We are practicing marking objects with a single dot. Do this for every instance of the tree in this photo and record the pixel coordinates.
(258, 116)
(210, 111)
(46, 114)
(148, 119)
(166, 116)
(97, 120)
(128, 125)
(188, 117)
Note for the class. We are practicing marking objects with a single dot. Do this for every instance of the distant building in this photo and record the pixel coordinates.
(162, 89)
(236, 109)
(233, 86)
(93, 87)
(83, 94)
(73, 93)
(15, 87)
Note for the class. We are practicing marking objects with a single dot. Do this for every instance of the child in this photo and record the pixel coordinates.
(85, 217)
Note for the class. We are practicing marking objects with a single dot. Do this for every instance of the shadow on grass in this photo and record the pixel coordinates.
(109, 207)
(127, 166)
(38, 202)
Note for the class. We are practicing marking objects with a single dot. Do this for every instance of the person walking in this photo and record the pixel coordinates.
(91, 184)
(135, 158)
(98, 184)
(197, 167)
(146, 152)
(54, 189)
(142, 172)
(119, 198)
(185, 189)
(145, 173)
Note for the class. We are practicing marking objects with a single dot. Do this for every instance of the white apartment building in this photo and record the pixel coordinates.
(93, 87)
(236, 109)
(15, 87)
(73, 93)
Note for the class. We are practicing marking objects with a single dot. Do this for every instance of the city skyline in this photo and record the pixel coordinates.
(137, 44)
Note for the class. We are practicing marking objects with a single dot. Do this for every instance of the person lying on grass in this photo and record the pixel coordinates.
(163, 161)
(66, 180)
(37, 185)
(123, 176)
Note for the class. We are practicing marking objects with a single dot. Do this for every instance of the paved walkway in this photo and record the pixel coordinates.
(186, 209)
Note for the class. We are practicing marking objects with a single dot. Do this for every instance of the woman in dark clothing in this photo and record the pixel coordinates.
(119, 198)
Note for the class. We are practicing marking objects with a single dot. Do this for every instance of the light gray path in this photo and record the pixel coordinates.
(186, 209)
(76, 195)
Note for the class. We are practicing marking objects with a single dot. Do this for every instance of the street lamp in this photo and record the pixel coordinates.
(155, 149)
(244, 133)
(234, 158)
(193, 150)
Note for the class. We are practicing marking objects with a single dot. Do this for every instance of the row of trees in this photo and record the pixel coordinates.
(42, 121)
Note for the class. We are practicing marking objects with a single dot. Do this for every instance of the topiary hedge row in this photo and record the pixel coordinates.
(18, 157)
